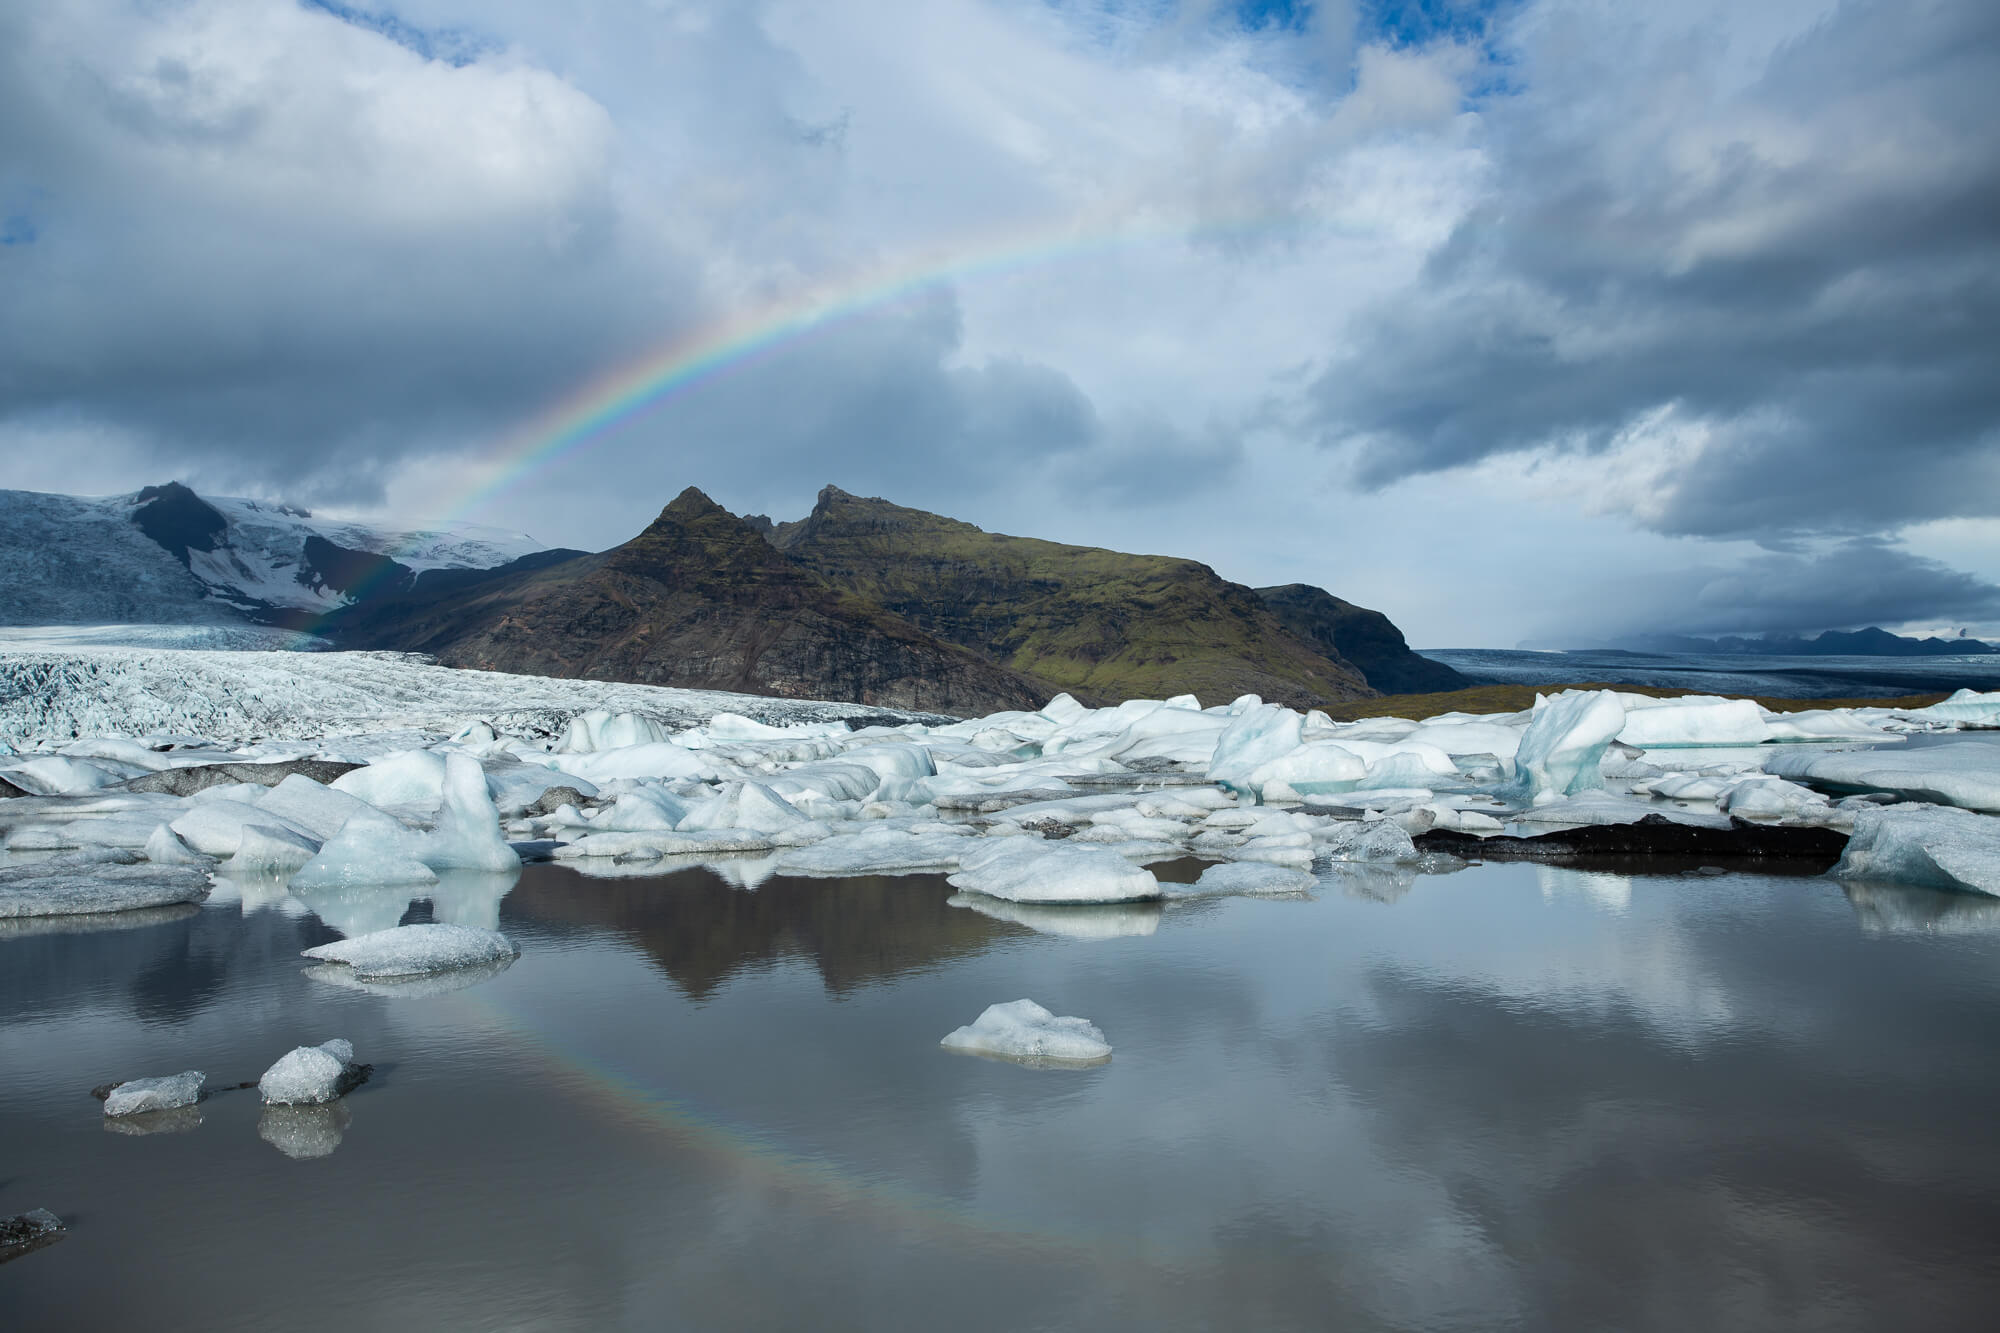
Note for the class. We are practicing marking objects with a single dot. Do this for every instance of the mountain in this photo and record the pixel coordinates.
(699, 600)
(1871, 642)
(167, 556)
(1366, 638)
(1101, 624)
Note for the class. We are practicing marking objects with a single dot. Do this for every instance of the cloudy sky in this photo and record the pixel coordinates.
(1521, 320)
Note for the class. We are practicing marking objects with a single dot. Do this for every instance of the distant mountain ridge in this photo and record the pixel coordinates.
(862, 600)
(1871, 642)
(167, 555)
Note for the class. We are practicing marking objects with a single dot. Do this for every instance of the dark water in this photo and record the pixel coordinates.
(1512, 1097)
(1725, 673)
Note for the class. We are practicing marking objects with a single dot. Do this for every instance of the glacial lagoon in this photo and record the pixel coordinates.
(1513, 1096)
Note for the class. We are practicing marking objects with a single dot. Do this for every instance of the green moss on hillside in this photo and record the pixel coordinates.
(1102, 624)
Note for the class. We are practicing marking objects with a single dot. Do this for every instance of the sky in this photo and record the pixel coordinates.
(1520, 320)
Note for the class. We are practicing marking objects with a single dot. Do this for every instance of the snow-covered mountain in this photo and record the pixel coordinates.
(167, 556)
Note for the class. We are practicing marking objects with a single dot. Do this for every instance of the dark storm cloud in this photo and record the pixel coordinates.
(1854, 583)
(1803, 273)
(297, 258)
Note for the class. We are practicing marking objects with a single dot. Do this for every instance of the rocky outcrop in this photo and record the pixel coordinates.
(1366, 638)
(699, 600)
(1101, 624)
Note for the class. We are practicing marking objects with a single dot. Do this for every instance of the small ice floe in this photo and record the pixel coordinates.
(1034, 870)
(164, 848)
(1254, 879)
(1073, 921)
(1925, 845)
(305, 1133)
(420, 986)
(1963, 773)
(1365, 840)
(139, 1095)
(28, 1231)
(408, 951)
(309, 1075)
(93, 882)
(1028, 1034)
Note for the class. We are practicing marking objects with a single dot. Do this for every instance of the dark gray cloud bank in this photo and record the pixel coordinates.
(1730, 276)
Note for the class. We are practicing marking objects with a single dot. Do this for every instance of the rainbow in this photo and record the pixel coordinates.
(612, 401)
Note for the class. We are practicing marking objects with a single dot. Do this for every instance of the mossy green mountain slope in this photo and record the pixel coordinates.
(1101, 624)
(698, 600)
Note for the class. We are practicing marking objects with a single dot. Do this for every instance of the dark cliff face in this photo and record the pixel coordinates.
(1102, 624)
(1365, 638)
(699, 600)
(179, 520)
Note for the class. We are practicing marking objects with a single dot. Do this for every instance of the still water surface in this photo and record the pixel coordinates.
(1510, 1097)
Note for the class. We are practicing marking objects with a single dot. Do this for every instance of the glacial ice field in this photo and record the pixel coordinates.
(518, 1000)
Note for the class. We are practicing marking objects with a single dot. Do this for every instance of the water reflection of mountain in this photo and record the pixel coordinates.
(701, 931)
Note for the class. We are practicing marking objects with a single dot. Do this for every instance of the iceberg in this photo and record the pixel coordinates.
(1073, 921)
(1565, 739)
(1691, 720)
(139, 1095)
(1365, 840)
(413, 779)
(215, 827)
(369, 849)
(599, 729)
(87, 883)
(880, 850)
(1257, 734)
(1925, 845)
(1023, 1031)
(1035, 870)
(164, 848)
(1967, 706)
(307, 1075)
(1253, 879)
(271, 851)
(405, 951)
(318, 810)
(1961, 773)
(467, 834)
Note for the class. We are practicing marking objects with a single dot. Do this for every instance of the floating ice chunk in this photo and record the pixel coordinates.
(89, 883)
(1594, 808)
(164, 848)
(1314, 768)
(304, 1133)
(647, 810)
(215, 828)
(892, 764)
(749, 806)
(467, 834)
(1827, 724)
(264, 850)
(413, 779)
(1063, 710)
(414, 950)
(418, 987)
(1246, 878)
(369, 849)
(1766, 797)
(1365, 840)
(307, 1075)
(600, 730)
(662, 759)
(1961, 773)
(1257, 733)
(1035, 870)
(139, 1095)
(304, 804)
(28, 1231)
(652, 846)
(1073, 921)
(61, 775)
(880, 850)
(1924, 845)
(1470, 737)
(1026, 1032)
(1968, 706)
(1559, 752)
(1691, 720)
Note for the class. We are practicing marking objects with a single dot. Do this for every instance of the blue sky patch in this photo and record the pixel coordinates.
(453, 46)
